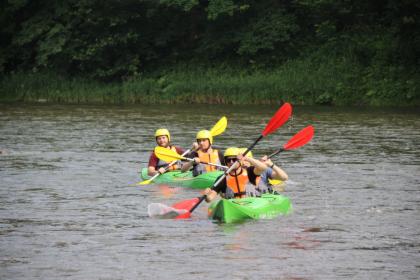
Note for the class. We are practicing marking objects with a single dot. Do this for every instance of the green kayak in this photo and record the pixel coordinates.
(184, 179)
(236, 210)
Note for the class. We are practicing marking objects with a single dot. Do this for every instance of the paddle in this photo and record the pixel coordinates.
(279, 118)
(217, 129)
(168, 155)
(298, 140)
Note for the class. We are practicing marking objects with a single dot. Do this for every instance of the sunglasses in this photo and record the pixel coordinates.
(231, 160)
(201, 140)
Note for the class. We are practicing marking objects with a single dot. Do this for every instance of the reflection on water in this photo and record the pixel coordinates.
(67, 209)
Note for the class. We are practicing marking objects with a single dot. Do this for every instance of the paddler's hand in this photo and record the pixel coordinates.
(196, 161)
(269, 163)
(161, 170)
(242, 158)
(210, 194)
(194, 146)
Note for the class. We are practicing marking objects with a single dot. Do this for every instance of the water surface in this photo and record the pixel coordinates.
(67, 210)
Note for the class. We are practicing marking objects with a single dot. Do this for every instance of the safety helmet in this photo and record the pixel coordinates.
(205, 134)
(232, 152)
(242, 151)
(163, 131)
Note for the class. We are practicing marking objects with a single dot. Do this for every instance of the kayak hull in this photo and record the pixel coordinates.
(184, 179)
(250, 208)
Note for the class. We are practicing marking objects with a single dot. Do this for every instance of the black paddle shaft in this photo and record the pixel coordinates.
(276, 152)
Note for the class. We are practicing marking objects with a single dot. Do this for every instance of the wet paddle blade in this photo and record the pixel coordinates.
(219, 127)
(279, 118)
(162, 211)
(300, 138)
(145, 182)
(167, 154)
(186, 204)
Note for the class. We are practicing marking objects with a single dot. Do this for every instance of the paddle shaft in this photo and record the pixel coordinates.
(276, 152)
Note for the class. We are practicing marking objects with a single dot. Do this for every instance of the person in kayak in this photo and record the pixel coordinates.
(203, 151)
(272, 172)
(237, 183)
(156, 165)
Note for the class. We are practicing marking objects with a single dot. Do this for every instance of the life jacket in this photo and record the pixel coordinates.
(236, 185)
(212, 157)
(164, 164)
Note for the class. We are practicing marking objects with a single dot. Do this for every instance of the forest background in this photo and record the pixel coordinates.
(330, 52)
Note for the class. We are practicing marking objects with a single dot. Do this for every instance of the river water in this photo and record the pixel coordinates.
(68, 211)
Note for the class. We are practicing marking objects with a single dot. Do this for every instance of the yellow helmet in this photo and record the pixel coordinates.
(163, 131)
(205, 134)
(232, 152)
(242, 151)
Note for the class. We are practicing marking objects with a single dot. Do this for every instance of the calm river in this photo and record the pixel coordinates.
(68, 211)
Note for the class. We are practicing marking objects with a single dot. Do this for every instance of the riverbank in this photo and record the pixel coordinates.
(302, 82)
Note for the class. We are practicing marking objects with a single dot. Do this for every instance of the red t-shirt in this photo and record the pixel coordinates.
(153, 159)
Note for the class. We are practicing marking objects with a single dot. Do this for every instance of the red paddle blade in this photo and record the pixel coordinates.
(300, 138)
(279, 118)
(185, 205)
(183, 216)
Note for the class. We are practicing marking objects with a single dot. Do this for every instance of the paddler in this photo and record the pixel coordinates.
(156, 165)
(270, 173)
(203, 151)
(237, 183)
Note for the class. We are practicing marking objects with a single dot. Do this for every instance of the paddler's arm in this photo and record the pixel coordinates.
(259, 166)
(151, 169)
(186, 166)
(212, 193)
(278, 173)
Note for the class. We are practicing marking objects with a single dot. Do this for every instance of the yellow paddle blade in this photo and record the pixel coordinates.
(219, 127)
(145, 182)
(167, 155)
(275, 182)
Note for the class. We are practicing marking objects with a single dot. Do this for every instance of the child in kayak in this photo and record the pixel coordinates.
(156, 165)
(203, 151)
(237, 183)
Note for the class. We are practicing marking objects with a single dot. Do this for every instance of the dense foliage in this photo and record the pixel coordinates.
(371, 47)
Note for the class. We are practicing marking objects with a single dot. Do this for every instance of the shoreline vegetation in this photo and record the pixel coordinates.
(334, 53)
(303, 82)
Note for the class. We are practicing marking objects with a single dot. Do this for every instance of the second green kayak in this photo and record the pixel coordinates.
(237, 210)
(184, 179)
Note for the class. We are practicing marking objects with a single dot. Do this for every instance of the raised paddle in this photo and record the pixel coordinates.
(298, 140)
(279, 118)
(169, 155)
(217, 129)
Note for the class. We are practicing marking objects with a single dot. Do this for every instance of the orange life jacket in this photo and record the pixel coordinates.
(162, 163)
(212, 157)
(237, 184)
